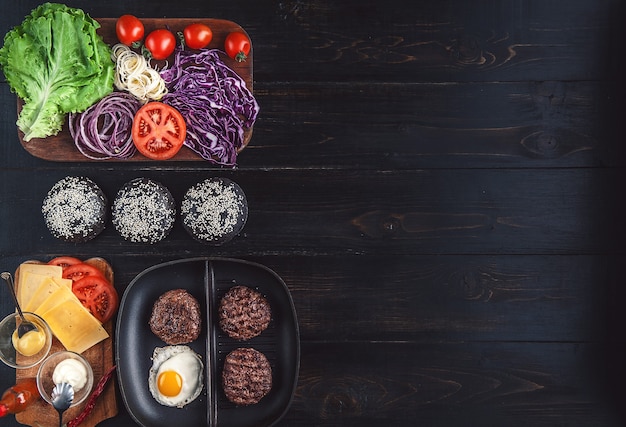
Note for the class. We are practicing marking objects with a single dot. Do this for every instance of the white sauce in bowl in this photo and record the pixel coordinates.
(70, 371)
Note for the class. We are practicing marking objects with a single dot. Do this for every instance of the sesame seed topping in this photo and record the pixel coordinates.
(213, 209)
(74, 209)
(143, 211)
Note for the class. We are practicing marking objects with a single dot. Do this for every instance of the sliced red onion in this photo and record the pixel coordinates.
(215, 102)
(104, 130)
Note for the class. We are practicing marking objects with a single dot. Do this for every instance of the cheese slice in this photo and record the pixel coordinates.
(74, 326)
(45, 289)
(58, 296)
(30, 277)
(43, 269)
(63, 282)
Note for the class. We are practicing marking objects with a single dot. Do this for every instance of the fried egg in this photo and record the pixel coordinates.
(175, 377)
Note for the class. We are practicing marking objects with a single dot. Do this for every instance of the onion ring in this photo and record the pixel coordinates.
(104, 130)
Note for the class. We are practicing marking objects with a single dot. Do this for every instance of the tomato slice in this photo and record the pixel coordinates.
(78, 271)
(97, 295)
(64, 261)
(159, 131)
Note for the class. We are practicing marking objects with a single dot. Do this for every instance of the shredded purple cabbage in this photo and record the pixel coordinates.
(215, 102)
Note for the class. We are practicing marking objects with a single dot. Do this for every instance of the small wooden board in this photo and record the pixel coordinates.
(101, 358)
(61, 148)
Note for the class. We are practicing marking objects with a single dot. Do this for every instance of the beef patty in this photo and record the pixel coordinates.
(247, 376)
(176, 317)
(243, 313)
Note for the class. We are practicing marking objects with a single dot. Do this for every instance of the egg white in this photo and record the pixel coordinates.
(187, 364)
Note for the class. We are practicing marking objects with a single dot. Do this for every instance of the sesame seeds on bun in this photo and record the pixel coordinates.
(75, 209)
(143, 211)
(214, 210)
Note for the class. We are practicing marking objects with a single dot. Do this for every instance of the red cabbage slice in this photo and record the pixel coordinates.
(215, 102)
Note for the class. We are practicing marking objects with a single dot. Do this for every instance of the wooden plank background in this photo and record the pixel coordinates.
(439, 183)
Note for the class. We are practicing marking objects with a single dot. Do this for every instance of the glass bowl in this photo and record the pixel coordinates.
(45, 381)
(8, 352)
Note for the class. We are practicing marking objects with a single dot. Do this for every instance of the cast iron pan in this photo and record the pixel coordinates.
(207, 279)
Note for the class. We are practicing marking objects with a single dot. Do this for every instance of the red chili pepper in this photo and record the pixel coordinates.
(92, 399)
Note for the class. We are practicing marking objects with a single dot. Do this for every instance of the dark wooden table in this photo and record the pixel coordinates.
(439, 183)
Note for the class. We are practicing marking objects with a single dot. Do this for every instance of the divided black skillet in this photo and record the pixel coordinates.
(207, 279)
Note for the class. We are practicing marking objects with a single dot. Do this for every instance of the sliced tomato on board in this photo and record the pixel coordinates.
(97, 295)
(64, 261)
(78, 271)
(159, 131)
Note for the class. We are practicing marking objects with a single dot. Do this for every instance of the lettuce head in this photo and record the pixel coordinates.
(57, 64)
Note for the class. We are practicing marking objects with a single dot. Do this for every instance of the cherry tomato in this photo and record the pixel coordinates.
(129, 29)
(78, 271)
(161, 43)
(64, 261)
(197, 35)
(237, 46)
(97, 295)
(159, 131)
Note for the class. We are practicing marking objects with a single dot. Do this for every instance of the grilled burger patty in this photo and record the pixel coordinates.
(243, 313)
(247, 376)
(176, 317)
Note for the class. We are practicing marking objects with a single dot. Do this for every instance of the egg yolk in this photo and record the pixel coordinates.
(169, 383)
(30, 343)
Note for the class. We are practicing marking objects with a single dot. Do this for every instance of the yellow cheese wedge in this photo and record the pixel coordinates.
(58, 296)
(63, 282)
(74, 326)
(45, 289)
(43, 269)
(30, 277)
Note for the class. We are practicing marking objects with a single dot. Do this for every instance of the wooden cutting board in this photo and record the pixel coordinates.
(101, 358)
(61, 147)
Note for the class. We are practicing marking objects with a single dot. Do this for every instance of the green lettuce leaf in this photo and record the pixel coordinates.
(57, 64)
